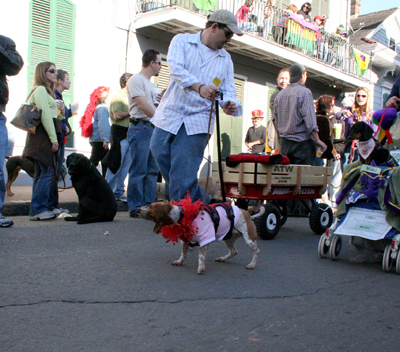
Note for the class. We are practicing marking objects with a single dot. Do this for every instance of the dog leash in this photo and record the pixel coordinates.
(208, 146)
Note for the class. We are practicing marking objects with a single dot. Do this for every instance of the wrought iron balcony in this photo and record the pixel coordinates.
(280, 27)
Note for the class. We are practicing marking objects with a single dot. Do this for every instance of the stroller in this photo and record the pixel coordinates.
(369, 213)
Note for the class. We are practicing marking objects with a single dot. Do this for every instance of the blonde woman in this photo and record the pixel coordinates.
(42, 146)
(359, 111)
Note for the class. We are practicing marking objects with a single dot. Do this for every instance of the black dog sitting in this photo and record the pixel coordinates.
(363, 132)
(96, 199)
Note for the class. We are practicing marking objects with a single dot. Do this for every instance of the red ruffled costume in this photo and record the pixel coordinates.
(86, 122)
(183, 230)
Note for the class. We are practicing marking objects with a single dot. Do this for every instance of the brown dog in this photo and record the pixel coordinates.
(14, 165)
(165, 213)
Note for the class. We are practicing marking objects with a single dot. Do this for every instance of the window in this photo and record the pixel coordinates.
(392, 44)
(51, 38)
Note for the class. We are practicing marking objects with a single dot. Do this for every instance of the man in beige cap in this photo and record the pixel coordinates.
(199, 66)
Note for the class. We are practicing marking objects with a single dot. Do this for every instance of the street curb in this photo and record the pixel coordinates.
(22, 209)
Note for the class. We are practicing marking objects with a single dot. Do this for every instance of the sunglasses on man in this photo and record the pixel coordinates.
(228, 33)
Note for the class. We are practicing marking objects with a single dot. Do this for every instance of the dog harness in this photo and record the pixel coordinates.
(215, 223)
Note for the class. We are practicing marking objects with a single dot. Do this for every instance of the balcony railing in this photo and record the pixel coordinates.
(280, 27)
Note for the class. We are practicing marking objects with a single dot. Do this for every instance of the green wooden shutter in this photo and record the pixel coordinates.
(39, 36)
(64, 41)
(52, 38)
(52, 33)
(162, 81)
(324, 7)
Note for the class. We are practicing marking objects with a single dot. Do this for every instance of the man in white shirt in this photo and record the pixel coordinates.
(143, 171)
(199, 66)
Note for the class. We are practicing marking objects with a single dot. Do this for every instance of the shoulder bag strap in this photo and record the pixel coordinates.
(30, 94)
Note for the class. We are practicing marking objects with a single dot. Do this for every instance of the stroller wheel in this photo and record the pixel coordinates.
(398, 263)
(387, 261)
(335, 247)
(322, 247)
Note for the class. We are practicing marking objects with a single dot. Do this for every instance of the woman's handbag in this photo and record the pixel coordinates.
(27, 117)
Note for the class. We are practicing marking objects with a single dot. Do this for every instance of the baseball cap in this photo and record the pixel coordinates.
(226, 17)
(318, 18)
(295, 72)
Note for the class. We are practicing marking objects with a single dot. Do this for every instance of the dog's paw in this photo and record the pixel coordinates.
(250, 266)
(220, 259)
(177, 263)
(200, 270)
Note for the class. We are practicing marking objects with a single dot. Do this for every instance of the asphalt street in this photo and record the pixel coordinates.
(111, 287)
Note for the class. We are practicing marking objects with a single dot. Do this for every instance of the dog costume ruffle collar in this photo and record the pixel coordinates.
(183, 230)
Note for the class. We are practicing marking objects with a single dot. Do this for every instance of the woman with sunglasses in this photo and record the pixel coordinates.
(305, 10)
(42, 146)
(359, 111)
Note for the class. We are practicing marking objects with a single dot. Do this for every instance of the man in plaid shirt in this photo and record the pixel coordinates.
(295, 120)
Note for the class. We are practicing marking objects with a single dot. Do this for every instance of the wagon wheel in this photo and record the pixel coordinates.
(321, 218)
(281, 204)
(268, 223)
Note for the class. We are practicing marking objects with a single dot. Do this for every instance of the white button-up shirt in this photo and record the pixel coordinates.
(188, 66)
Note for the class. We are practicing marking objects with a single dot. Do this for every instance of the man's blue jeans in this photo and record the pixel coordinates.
(3, 148)
(143, 171)
(43, 190)
(179, 158)
(116, 181)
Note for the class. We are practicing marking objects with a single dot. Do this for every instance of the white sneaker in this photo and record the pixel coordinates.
(45, 215)
(122, 198)
(59, 211)
(5, 222)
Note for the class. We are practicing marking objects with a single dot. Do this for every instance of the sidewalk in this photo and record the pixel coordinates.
(19, 203)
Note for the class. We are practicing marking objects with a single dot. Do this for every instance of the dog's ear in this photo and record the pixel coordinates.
(69, 159)
(367, 132)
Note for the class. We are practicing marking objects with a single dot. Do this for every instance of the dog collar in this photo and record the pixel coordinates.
(366, 148)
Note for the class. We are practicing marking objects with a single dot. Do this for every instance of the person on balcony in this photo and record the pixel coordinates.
(280, 29)
(337, 47)
(256, 134)
(295, 120)
(244, 18)
(305, 11)
(269, 14)
(322, 40)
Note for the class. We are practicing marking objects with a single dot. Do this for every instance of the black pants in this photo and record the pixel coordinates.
(98, 154)
(300, 153)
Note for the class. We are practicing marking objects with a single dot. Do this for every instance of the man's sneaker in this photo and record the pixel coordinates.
(45, 215)
(122, 198)
(135, 213)
(5, 222)
(59, 211)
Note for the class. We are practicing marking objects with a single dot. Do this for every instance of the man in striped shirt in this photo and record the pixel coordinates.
(199, 66)
(295, 120)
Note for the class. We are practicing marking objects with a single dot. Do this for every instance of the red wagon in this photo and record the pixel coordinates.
(276, 184)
